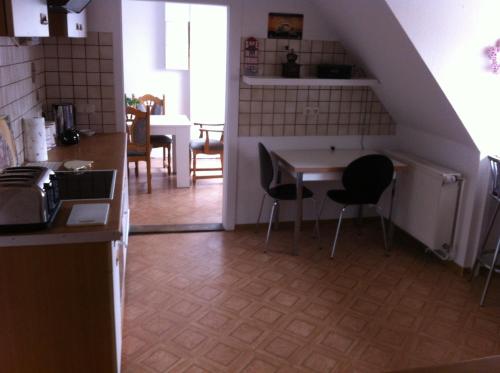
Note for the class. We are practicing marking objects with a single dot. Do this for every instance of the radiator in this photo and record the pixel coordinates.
(426, 203)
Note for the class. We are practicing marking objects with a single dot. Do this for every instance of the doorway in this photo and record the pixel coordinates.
(177, 50)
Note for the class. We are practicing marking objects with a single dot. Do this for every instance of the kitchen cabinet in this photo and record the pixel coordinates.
(72, 25)
(24, 18)
(62, 289)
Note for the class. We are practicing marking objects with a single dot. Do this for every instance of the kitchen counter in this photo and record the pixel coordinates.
(108, 152)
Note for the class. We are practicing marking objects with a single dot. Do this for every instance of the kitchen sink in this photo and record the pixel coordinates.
(86, 184)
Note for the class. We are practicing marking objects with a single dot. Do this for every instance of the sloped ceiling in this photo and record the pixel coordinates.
(370, 31)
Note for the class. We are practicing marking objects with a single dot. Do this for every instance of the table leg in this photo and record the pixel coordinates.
(390, 226)
(182, 158)
(174, 155)
(298, 215)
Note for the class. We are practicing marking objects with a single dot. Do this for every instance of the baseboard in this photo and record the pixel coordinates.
(175, 228)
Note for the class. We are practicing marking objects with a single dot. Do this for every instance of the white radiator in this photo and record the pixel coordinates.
(426, 203)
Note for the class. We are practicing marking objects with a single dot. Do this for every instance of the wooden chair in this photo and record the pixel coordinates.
(139, 142)
(206, 144)
(157, 106)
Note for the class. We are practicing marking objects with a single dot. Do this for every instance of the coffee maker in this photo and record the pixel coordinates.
(64, 116)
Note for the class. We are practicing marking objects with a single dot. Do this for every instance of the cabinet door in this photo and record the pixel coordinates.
(77, 25)
(28, 18)
(117, 255)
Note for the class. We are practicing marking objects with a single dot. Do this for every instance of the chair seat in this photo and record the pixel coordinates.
(199, 144)
(344, 197)
(288, 192)
(135, 154)
(160, 140)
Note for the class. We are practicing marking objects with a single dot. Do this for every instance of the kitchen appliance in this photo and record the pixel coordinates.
(64, 116)
(68, 6)
(70, 137)
(29, 198)
(326, 71)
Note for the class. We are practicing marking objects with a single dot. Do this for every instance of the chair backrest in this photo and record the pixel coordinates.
(367, 177)
(209, 132)
(495, 176)
(266, 167)
(139, 131)
(155, 105)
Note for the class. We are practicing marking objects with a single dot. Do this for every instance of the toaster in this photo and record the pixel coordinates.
(29, 198)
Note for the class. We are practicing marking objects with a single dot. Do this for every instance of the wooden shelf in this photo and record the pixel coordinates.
(279, 81)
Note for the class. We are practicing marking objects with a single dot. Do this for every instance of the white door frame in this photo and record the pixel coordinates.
(234, 12)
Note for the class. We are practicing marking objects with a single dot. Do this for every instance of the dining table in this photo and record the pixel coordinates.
(179, 126)
(319, 165)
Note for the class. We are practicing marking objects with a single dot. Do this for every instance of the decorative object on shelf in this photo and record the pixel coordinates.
(285, 26)
(8, 156)
(325, 71)
(491, 52)
(251, 57)
(291, 69)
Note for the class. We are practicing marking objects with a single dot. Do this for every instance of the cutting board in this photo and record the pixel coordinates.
(88, 214)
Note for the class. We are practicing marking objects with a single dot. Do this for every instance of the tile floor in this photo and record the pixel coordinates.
(166, 204)
(214, 302)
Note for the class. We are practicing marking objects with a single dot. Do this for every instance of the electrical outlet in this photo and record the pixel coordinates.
(311, 110)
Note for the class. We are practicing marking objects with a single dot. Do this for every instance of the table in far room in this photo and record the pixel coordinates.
(178, 126)
(318, 165)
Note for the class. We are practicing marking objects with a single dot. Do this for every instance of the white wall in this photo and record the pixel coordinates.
(451, 37)
(105, 16)
(144, 56)
(255, 17)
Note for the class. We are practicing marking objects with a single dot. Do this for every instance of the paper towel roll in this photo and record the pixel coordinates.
(35, 145)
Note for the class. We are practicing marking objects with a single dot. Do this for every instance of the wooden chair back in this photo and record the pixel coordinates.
(155, 105)
(207, 130)
(139, 139)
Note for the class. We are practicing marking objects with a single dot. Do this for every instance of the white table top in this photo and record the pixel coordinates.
(169, 120)
(322, 160)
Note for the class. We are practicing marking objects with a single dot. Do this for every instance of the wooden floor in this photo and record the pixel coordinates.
(167, 204)
(214, 302)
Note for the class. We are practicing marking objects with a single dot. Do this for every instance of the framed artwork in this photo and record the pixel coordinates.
(8, 156)
(285, 26)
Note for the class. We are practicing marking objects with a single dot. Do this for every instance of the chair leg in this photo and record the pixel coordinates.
(320, 211)
(222, 163)
(194, 168)
(490, 273)
(337, 232)
(477, 264)
(164, 157)
(169, 158)
(316, 224)
(136, 169)
(148, 165)
(387, 251)
(260, 212)
(271, 218)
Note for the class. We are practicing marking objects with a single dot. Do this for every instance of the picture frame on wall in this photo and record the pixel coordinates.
(285, 26)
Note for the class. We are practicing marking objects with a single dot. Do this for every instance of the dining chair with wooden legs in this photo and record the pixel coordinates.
(157, 106)
(138, 140)
(206, 144)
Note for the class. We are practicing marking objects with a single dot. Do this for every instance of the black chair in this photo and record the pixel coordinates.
(279, 192)
(364, 181)
(489, 258)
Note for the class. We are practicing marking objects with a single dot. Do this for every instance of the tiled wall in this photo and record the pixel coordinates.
(22, 87)
(80, 71)
(308, 110)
